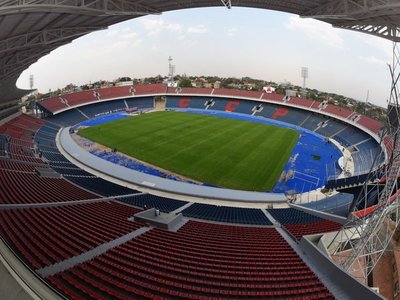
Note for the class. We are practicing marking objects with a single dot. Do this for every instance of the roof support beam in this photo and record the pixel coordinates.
(13, 64)
(78, 7)
(391, 31)
(227, 3)
(45, 37)
(376, 17)
(354, 9)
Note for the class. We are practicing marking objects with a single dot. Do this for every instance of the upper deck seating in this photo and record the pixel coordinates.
(337, 111)
(17, 165)
(189, 91)
(200, 261)
(238, 93)
(273, 97)
(79, 98)
(53, 104)
(28, 187)
(44, 236)
(149, 89)
(301, 102)
(115, 92)
(389, 144)
(373, 125)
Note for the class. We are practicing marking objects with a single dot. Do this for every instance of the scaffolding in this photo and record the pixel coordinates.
(366, 238)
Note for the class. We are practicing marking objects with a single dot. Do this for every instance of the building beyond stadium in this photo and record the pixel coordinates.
(68, 233)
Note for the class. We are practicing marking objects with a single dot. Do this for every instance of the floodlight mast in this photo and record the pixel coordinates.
(304, 75)
(366, 239)
(31, 81)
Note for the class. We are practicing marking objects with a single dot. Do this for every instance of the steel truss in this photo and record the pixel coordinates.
(376, 17)
(366, 239)
(78, 7)
(15, 63)
(227, 3)
(44, 37)
(19, 51)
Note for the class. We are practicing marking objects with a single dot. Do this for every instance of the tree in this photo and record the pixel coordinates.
(185, 82)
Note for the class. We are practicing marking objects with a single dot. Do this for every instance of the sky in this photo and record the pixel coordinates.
(236, 42)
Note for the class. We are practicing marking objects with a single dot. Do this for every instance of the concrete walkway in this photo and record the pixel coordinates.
(65, 203)
(179, 209)
(71, 262)
(334, 288)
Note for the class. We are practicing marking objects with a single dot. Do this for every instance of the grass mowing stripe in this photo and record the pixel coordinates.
(224, 152)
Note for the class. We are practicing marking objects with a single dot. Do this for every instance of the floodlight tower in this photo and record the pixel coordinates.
(31, 81)
(171, 71)
(304, 75)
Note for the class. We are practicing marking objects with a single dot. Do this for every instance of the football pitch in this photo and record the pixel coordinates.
(218, 151)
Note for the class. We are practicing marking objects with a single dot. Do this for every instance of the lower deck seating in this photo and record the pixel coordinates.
(313, 122)
(200, 261)
(53, 156)
(100, 186)
(222, 104)
(43, 236)
(330, 127)
(69, 169)
(152, 201)
(67, 118)
(350, 181)
(300, 223)
(45, 139)
(369, 154)
(351, 136)
(226, 214)
(184, 102)
(95, 109)
(4, 146)
(140, 102)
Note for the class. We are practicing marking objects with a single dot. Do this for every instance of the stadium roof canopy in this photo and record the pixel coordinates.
(30, 29)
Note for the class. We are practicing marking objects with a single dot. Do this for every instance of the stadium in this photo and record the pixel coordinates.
(87, 213)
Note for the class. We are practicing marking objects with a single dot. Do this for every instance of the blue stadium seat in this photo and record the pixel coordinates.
(67, 118)
(3, 145)
(100, 186)
(226, 214)
(351, 136)
(141, 103)
(95, 109)
(152, 201)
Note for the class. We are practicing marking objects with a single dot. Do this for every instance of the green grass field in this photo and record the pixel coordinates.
(223, 152)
